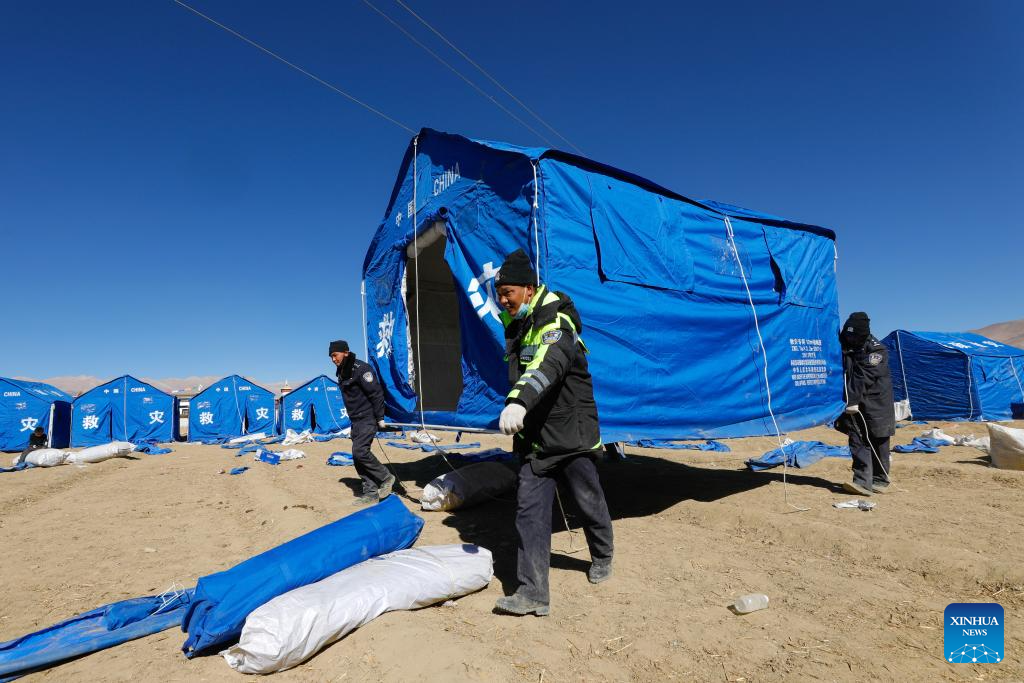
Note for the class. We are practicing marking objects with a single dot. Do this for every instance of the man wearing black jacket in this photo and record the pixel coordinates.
(364, 401)
(551, 411)
(870, 417)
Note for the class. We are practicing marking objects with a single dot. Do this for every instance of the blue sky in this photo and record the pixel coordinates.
(174, 202)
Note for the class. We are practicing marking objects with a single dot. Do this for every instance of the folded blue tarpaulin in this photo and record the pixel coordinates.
(91, 631)
(223, 600)
(430, 447)
(675, 445)
(339, 459)
(800, 454)
(922, 444)
(239, 470)
(151, 447)
(17, 468)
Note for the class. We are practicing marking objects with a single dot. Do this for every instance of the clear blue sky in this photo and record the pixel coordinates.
(174, 202)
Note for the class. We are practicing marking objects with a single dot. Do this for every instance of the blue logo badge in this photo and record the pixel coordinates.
(973, 633)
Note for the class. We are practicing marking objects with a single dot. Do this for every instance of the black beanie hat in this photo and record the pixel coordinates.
(858, 324)
(339, 345)
(516, 270)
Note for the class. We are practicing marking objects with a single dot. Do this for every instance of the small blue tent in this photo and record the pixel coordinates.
(316, 405)
(230, 407)
(26, 405)
(956, 375)
(124, 409)
(666, 286)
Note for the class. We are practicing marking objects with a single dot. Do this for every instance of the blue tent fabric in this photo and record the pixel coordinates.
(230, 407)
(653, 275)
(123, 409)
(956, 375)
(26, 405)
(316, 405)
(91, 631)
(800, 454)
(921, 444)
(709, 445)
(489, 455)
(16, 468)
(340, 459)
(239, 470)
(151, 449)
(223, 600)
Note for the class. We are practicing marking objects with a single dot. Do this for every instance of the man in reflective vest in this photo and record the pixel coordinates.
(552, 413)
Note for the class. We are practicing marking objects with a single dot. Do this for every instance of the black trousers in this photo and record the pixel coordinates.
(866, 468)
(534, 501)
(368, 467)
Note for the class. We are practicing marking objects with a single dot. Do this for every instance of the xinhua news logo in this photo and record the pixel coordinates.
(973, 633)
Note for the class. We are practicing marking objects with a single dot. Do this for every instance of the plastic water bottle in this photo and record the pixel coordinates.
(751, 603)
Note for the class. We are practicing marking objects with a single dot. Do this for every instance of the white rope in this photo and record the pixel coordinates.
(489, 76)
(903, 370)
(366, 343)
(536, 230)
(764, 354)
(416, 274)
(458, 73)
(297, 68)
(970, 384)
(1017, 377)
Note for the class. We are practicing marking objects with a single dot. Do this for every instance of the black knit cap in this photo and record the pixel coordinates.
(516, 270)
(339, 345)
(858, 324)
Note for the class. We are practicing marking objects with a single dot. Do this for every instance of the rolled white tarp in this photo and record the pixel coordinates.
(46, 457)
(1006, 447)
(294, 626)
(467, 486)
(114, 449)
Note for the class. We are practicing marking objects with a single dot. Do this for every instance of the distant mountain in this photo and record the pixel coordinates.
(79, 384)
(1011, 332)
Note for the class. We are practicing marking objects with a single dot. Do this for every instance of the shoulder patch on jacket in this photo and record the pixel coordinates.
(551, 336)
(368, 376)
(874, 359)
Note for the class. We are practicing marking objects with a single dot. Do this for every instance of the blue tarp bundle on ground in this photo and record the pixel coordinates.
(223, 600)
(124, 409)
(316, 405)
(956, 375)
(26, 405)
(91, 631)
(922, 444)
(431, 447)
(709, 445)
(672, 341)
(230, 407)
(801, 454)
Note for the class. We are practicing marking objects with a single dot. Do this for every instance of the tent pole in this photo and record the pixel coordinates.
(366, 341)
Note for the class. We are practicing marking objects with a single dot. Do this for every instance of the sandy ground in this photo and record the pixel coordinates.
(854, 595)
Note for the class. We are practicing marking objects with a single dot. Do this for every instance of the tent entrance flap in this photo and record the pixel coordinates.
(436, 318)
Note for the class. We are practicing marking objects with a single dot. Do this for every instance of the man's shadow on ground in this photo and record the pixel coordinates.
(639, 486)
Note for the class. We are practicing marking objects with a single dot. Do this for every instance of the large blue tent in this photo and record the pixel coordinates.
(316, 405)
(667, 288)
(124, 409)
(26, 405)
(230, 407)
(956, 375)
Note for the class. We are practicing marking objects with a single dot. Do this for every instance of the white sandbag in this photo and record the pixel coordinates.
(902, 409)
(248, 437)
(115, 449)
(467, 486)
(291, 454)
(1006, 446)
(423, 437)
(293, 627)
(47, 457)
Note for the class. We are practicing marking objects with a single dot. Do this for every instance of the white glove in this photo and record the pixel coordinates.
(853, 408)
(511, 420)
(381, 425)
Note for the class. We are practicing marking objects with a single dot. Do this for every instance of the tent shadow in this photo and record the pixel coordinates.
(982, 460)
(639, 486)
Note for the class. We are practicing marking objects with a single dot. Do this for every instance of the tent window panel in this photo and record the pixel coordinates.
(440, 366)
(640, 236)
(803, 264)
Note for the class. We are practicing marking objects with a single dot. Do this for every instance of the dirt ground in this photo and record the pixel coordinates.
(854, 595)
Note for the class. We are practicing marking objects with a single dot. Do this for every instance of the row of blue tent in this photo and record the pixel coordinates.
(128, 409)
